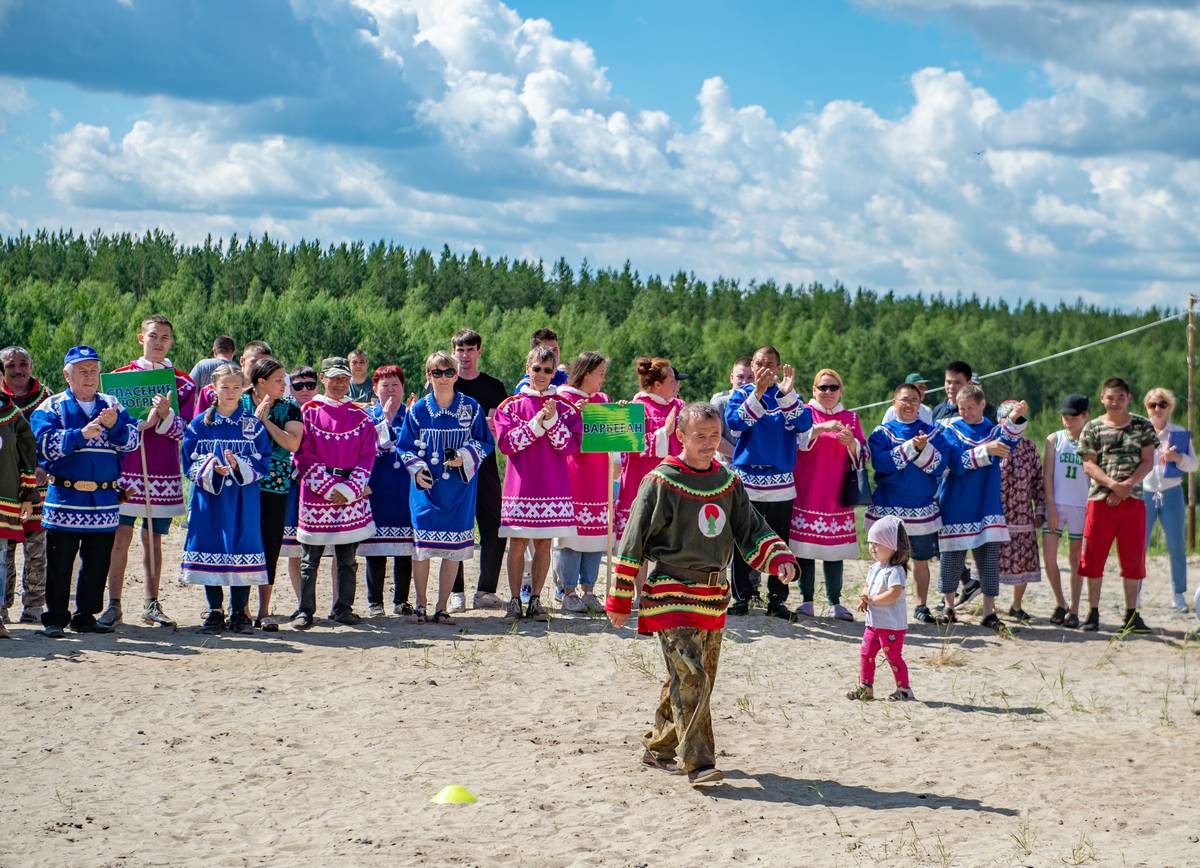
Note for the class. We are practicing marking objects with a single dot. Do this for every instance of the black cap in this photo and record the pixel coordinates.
(1073, 405)
(678, 374)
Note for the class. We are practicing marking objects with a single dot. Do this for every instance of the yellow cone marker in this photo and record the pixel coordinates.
(453, 795)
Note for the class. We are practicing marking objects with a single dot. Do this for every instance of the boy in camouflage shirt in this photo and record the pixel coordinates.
(1117, 451)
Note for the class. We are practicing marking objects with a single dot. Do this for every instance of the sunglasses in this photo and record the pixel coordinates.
(1158, 405)
(829, 387)
(438, 373)
(303, 386)
(539, 370)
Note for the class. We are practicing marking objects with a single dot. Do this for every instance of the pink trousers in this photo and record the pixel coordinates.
(892, 643)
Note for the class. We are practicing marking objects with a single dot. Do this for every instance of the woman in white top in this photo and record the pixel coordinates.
(1161, 489)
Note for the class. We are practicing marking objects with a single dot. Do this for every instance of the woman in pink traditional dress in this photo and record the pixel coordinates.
(579, 555)
(659, 394)
(823, 529)
(536, 430)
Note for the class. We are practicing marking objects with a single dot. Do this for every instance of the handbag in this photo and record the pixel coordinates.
(856, 489)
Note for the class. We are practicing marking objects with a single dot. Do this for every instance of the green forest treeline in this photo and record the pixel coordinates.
(310, 301)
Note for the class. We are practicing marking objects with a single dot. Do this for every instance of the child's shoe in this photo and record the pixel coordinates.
(902, 694)
(862, 693)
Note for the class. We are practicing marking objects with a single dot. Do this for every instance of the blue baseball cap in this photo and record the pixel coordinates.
(81, 353)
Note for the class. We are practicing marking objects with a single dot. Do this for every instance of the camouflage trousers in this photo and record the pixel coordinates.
(683, 721)
(33, 580)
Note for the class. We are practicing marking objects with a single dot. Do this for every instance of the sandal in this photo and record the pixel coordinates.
(418, 616)
(902, 694)
(441, 616)
(1060, 615)
(266, 626)
(1020, 614)
(992, 622)
(861, 693)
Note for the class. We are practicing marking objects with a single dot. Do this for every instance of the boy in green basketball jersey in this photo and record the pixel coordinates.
(1066, 504)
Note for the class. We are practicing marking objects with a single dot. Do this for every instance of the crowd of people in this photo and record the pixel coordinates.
(340, 462)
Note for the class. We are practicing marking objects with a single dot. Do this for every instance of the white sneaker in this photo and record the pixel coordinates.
(375, 611)
(1180, 603)
(593, 604)
(111, 616)
(572, 603)
(458, 603)
(485, 600)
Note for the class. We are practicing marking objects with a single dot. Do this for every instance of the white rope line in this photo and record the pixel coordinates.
(1048, 358)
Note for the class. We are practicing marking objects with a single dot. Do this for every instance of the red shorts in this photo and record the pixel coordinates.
(1126, 523)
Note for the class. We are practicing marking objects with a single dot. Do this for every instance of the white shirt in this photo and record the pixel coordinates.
(893, 616)
(1156, 480)
(924, 414)
(1070, 482)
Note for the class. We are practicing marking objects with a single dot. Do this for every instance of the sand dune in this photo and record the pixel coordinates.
(324, 748)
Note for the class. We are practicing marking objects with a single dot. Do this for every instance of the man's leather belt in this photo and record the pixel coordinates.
(82, 484)
(694, 576)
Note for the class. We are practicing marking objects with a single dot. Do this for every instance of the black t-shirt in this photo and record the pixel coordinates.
(489, 392)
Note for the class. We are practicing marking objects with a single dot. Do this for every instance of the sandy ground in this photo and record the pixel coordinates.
(164, 748)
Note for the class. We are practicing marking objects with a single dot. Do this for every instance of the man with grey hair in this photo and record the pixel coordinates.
(19, 384)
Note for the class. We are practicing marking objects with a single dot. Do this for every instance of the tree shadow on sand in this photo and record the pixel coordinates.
(780, 789)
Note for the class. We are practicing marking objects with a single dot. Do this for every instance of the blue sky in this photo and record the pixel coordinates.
(789, 57)
(1012, 148)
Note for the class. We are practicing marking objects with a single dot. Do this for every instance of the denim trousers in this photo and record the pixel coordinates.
(1169, 509)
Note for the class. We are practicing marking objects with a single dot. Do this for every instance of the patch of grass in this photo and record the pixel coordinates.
(949, 653)
(745, 706)
(1025, 838)
(1082, 853)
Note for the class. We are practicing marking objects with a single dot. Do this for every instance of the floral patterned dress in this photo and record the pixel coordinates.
(822, 529)
(1023, 493)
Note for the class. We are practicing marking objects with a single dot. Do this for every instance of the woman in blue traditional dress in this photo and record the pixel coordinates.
(389, 498)
(444, 439)
(226, 450)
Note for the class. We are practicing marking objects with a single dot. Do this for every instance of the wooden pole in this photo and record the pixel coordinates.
(1191, 417)
(149, 529)
(611, 510)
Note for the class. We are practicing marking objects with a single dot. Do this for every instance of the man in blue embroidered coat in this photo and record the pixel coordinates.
(82, 435)
(770, 420)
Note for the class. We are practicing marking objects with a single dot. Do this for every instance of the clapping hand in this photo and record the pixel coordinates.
(788, 381)
(263, 408)
(920, 442)
(764, 378)
(669, 425)
(160, 409)
(845, 436)
(107, 417)
(833, 426)
(545, 414)
(392, 406)
(91, 430)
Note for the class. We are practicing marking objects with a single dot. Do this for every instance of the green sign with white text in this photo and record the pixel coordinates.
(136, 389)
(614, 428)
